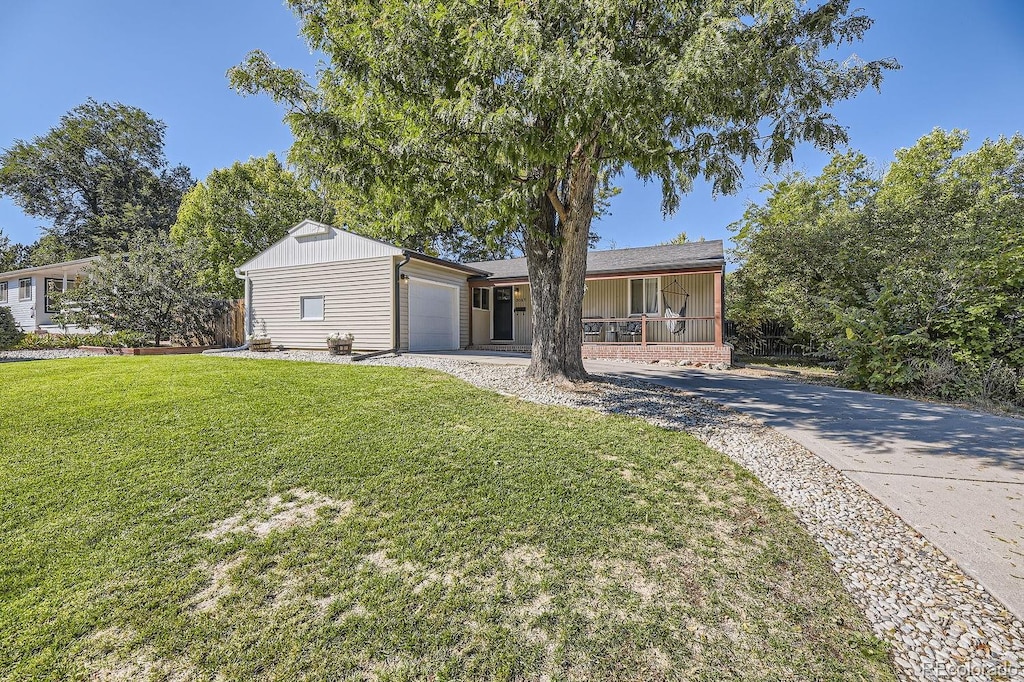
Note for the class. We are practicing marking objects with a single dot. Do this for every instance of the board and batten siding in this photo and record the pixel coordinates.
(357, 299)
(441, 275)
(310, 243)
(609, 298)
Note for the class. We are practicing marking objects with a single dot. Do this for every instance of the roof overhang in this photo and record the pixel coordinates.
(613, 274)
(52, 267)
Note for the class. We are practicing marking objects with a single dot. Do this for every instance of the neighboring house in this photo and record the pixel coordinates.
(658, 302)
(29, 293)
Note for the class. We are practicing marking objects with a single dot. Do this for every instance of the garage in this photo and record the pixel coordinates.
(433, 316)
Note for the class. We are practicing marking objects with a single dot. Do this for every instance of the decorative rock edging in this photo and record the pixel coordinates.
(941, 624)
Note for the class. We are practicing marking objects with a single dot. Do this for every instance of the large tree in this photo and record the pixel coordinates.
(508, 115)
(13, 256)
(238, 212)
(151, 289)
(100, 177)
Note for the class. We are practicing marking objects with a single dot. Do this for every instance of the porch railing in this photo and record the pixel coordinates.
(645, 329)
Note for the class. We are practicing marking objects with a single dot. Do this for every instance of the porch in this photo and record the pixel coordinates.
(673, 315)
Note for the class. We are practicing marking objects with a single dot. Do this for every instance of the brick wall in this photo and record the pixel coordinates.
(704, 353)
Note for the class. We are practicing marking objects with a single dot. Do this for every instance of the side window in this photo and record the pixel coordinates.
(482, 299)
(3, 292)
(25, 289)
(311, 308)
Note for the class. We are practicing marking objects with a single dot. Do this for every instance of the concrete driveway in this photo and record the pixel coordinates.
(955, 475)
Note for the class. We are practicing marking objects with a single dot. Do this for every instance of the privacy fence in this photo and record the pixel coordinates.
(230, 328)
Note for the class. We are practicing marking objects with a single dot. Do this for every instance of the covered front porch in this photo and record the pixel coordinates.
(669, 315)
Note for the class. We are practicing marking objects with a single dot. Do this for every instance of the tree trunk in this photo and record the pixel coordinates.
(556, 256)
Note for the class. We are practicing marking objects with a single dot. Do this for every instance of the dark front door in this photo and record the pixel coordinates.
(503, 314)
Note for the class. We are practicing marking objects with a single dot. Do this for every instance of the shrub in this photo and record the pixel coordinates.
(10, 333)
(64, 341)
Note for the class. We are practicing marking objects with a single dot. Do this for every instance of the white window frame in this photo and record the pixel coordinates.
(3, 292)
(22, 288)
(657, 299)
(478, 298)
(323, 308)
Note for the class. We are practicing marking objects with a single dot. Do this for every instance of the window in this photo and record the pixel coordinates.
(3, 292)
(643, 296)
(311, 308)
(482, 299)
(25, 289)
(53, 286)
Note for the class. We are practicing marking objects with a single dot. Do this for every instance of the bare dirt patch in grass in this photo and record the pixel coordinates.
(297, 507)
(112, 655)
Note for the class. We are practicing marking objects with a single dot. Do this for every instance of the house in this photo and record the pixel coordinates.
(29, 293)
(649, 303)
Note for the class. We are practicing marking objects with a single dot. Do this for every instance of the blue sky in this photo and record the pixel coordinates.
(963, 67)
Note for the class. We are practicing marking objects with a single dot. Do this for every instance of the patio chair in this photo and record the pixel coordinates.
(630, 329)
(591, 330)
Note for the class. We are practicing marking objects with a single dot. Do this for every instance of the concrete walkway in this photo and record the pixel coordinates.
(954, 475)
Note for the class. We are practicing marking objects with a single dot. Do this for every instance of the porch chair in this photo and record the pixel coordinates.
(591, 330)
(630, 329)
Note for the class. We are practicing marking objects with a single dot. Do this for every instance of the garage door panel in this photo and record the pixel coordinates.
(433, 316)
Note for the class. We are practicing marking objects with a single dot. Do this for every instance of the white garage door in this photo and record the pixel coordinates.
(433, 316)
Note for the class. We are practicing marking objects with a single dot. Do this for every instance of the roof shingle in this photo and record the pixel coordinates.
(641, 259)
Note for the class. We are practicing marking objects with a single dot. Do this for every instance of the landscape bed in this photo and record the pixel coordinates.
(195, 516)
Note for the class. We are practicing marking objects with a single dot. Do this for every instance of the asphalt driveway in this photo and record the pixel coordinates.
(955, 475)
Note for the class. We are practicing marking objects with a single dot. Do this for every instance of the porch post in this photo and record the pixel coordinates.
(719, 341)
(643, 331)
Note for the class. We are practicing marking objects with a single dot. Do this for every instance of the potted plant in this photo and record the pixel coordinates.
(339, 343)
(260, 340)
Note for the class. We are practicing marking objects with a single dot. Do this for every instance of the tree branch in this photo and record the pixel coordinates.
(563, 215)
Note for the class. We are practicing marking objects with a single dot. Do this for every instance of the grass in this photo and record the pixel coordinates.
(188, 517)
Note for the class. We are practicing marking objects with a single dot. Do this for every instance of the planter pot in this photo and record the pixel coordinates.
(260, 345)
(339, 347)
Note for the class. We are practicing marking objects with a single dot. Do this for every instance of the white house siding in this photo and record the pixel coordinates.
(310, 243)
(25, 312)
(442, 275)
(357, 299)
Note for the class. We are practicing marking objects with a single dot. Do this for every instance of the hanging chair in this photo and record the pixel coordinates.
(674, 324)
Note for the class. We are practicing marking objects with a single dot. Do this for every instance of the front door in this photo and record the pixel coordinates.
(502, 311)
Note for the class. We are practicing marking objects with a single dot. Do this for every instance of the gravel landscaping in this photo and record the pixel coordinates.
(941, 624)
(61, 354)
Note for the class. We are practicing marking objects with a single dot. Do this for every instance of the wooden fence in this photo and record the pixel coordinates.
(230, 328)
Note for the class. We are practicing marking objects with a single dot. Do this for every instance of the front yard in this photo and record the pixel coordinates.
(180, 517)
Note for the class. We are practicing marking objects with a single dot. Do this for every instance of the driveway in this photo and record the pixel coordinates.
(955, 475)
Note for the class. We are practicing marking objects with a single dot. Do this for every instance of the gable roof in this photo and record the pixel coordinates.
(313, 243)
(688, 256)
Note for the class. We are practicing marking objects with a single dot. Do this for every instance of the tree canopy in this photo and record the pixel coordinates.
(905, 275)
(239, 211)
(100, 176)
(151, 289)
(511, 116)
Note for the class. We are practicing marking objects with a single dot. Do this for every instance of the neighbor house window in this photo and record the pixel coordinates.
(3, 292)
(482, 299)
(312, 308)
(643, 296)
(25, 289)
(53, 286)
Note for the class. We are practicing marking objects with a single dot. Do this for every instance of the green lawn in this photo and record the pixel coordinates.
(184, 517)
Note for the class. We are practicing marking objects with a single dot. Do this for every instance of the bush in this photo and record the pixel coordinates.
(64, 341)
(10, 333)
